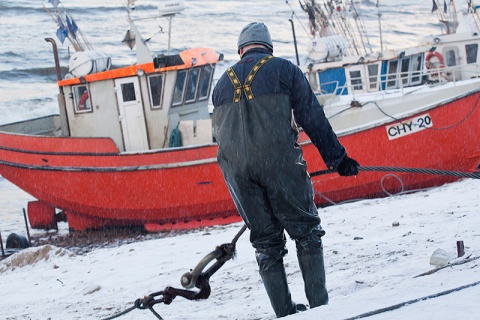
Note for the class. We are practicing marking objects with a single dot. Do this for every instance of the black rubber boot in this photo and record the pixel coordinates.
(313, 273)
(275, 282)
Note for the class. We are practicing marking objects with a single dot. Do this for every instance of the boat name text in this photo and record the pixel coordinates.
(409, 126)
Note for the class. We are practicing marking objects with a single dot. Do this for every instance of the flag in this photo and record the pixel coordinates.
(444, 6)
(62, 31)
(72, 26)
(434, 8)
(62, 34)
(54, 3)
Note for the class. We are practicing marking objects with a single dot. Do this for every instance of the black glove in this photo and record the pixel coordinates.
(348, 167)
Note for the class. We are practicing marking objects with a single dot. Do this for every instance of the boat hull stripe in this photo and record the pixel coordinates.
(113, 169)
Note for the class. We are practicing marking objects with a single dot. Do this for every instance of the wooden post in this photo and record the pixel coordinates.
(460, 249)
(1, 245)
(26, 226)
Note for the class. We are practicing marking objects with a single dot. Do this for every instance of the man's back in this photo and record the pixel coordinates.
(256, 127)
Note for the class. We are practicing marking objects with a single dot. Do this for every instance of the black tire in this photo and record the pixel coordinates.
(14, 241)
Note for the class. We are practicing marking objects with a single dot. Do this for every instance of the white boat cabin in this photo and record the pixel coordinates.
(140, 106)
(442, 58)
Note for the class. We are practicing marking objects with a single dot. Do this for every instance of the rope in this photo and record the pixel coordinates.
(397, 306)
(400, 120)
(121, 313)
(425, 171)
(429, 128)
(396, 169)
(473, 175)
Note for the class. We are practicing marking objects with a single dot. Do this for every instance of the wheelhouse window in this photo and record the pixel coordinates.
(404, 70)
(471, 51)
(451, 58)
(156, 90)
(408, 70)
(178, 93)
(392, 74)
(81, 99)
(192, 85)
(373, 76)
(416, 69)
(205, 81)
(356, 80)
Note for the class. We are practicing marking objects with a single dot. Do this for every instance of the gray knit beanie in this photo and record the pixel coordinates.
(255, 33)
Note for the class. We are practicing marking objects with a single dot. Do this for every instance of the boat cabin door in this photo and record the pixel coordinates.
(132, 116)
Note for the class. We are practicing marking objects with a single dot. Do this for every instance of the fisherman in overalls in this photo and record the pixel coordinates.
(258, 103)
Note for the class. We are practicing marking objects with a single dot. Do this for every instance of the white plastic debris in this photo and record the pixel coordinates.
(440, 258)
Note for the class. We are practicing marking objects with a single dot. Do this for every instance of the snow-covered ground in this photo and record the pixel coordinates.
(374, 249)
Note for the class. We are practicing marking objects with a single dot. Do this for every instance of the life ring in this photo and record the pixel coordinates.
(435, 64)
(82, 103)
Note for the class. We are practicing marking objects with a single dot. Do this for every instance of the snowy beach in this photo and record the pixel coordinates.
(374, 249)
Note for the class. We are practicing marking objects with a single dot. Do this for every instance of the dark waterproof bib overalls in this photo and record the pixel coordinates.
(266, 175)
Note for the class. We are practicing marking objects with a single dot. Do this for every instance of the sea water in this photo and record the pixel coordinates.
(27, 70)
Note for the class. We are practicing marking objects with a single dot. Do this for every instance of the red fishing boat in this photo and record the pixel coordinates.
(133, 146)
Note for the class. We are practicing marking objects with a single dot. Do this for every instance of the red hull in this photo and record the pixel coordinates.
(183, 188)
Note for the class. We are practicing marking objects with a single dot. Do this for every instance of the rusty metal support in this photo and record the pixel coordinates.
(55, 54)
(26, 227)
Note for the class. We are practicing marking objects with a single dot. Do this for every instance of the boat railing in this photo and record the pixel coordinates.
(384, 84)
(43, 126)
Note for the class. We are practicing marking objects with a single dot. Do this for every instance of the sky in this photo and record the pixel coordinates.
(374, 251)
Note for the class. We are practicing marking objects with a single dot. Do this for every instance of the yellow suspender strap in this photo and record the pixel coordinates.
(236, 84)
(248, 82)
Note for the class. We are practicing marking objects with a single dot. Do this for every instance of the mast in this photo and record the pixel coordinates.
(380, 25)
(166, 9)
(337, 17)
(144, 55)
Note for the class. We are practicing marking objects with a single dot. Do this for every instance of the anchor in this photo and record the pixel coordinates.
(195, 278)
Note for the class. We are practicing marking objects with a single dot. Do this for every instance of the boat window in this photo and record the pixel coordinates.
(356, 80)
(179, 88)
(205, 80)
(471, 51)
(192, 85)
(373, 76)
(404, 68)
(128, 92)
(81, 98)
(392, 74)
(450, 58)
(416, 69)
(156, 90)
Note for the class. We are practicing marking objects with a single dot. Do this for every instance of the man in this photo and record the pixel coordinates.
(258, 103)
